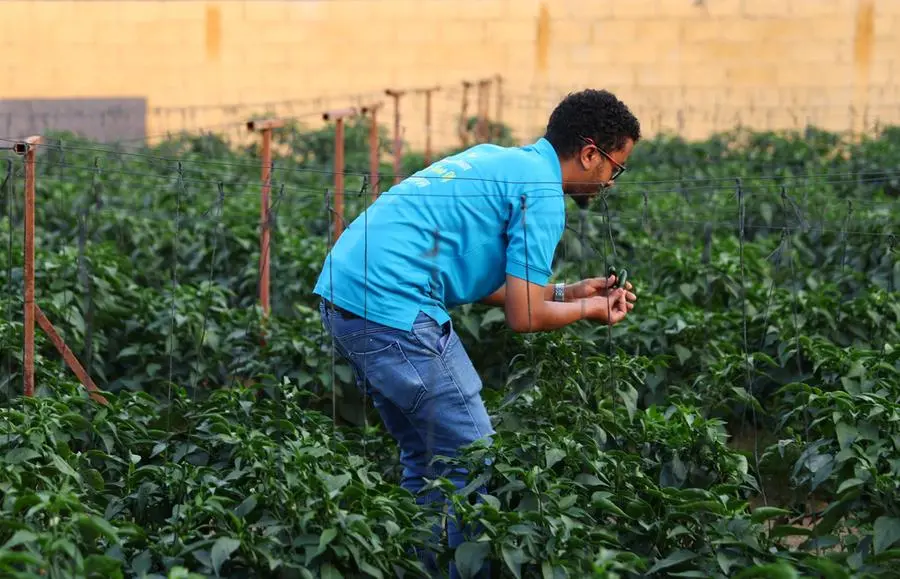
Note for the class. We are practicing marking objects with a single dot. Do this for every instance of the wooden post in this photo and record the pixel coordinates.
(32, 311)
(338, 116)
(265, 127)
(462, 129)
(481, 131)
(374, 149)
(428, 92)
(499, 111)
(396, 94)
(28, 149)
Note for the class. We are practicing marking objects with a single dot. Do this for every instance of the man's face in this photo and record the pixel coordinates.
(597, 169)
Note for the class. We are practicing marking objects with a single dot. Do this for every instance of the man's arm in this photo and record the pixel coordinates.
(535, 227)
(498, 298)
(528, 310)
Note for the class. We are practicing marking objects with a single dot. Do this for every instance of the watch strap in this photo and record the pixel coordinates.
(559, 292)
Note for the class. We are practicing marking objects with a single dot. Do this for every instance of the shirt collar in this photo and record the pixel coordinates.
(548, 153)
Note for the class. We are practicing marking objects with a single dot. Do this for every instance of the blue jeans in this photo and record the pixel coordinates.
(427, 392)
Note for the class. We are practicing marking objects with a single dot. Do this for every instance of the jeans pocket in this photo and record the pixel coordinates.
(433, 337)
(390, 373)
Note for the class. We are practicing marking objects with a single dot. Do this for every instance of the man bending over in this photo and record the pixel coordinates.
(478, 226)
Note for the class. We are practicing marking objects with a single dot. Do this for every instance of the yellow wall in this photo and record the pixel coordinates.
(690, 65)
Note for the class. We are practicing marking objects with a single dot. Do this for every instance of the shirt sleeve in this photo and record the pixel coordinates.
(533, 233)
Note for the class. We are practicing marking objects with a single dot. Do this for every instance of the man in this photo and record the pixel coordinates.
(479, 226)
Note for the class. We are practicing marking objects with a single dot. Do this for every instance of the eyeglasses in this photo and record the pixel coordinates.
(618, 168)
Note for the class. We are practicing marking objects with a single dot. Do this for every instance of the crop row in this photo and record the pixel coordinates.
(744, 420)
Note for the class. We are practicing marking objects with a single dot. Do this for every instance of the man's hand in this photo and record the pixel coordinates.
(596, 286)
(527, 310)
(610, 308)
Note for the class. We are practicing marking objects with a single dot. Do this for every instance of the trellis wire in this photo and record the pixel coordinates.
(609, 338)
(86, 282)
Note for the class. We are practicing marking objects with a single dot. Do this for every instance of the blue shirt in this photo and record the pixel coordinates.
(449, 234)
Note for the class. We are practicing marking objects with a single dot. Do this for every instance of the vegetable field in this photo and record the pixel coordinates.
(744, 421)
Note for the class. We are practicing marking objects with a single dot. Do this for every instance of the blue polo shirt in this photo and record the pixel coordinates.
(449, 234)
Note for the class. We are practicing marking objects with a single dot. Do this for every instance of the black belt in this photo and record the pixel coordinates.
(344, 313)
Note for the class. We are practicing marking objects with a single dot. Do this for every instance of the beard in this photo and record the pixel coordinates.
(581, 200)
(583, 194)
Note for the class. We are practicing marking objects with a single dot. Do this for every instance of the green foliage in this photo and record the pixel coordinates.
(742, 422)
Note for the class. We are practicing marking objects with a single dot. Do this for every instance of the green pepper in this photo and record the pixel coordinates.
(620, 281)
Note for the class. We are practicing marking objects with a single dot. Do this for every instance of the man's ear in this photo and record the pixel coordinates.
(586, 156)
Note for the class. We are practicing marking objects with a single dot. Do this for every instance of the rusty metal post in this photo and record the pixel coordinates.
(374, 149)
(32, 311)
(499, 111)
(427, 92)
(27, 148)
(265, 127)
(264, 233)
(462, 129)
(68, 356)
(481, 128)
(338, 116)
(479, 106)
(427, 127)
(396, 94)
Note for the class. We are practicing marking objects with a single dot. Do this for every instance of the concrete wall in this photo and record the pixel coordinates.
(688, 65)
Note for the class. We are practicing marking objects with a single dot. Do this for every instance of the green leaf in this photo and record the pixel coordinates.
(779, 570)
(325, 539)
(99, 525)
(493, 315)
(629, 396)
(10, 558)
(343, 373)
(848, 484)
(20, 455)
(553, 456)
(514, 557)
(102, 566)
(676, 558)
(846, 434)
(673, 473)
(469, 558)
(469, 323)
(64, 467)
(329, 571)
(246, 506)
(547, 569)
(603, 503)
(588, 480)
(20, 537)
(141, 564)
(370, 570)
(683, 353)
(335, 483)
(887, 532)
(726, 562)
(221, 552)
(94, 478)
(779, 531)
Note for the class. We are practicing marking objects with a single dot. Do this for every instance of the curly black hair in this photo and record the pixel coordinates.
(594, 114)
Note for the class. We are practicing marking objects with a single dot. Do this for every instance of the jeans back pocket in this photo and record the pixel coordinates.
(389, 372)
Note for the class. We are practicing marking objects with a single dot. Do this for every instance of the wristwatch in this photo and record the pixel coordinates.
(559, 292)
